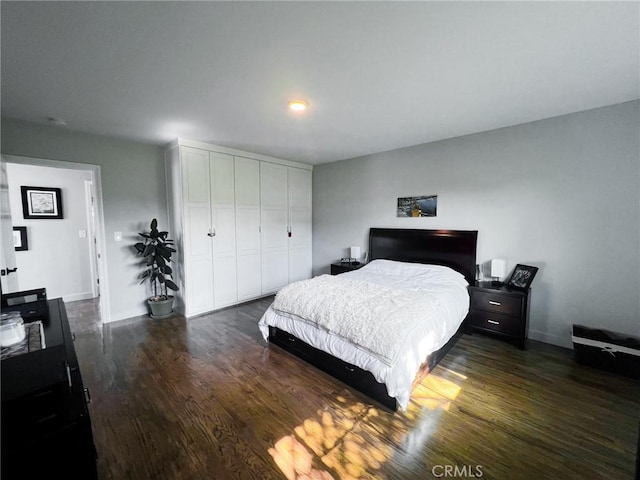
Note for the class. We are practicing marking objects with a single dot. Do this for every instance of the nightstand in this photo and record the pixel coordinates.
(337, 268)
(500, 311)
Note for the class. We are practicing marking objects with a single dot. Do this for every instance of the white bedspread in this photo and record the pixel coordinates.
(372, 316)
(446, 292)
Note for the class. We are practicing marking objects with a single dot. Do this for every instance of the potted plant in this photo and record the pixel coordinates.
(157, 250)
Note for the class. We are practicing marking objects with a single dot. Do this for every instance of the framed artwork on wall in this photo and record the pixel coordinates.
(41, 202)
(425, 206)
(20, 238)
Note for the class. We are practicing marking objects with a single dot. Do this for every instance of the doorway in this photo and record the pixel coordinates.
(68, 255)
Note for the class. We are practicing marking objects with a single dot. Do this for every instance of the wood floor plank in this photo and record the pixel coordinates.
(208, 398)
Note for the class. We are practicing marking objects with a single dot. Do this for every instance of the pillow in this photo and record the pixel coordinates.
(423, 271)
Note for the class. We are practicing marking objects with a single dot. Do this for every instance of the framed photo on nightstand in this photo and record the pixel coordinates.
(522, 277)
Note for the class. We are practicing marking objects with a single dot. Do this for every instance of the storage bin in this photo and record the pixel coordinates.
(606, 350)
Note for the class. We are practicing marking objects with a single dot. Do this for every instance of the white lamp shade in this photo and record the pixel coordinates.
(498, 268)
(355, 253)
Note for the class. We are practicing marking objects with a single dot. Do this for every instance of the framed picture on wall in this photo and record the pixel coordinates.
(425, 206)
(20, 238)
(522, 277)
(41, 202)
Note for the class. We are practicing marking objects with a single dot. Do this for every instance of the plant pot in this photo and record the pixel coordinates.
(161, 308)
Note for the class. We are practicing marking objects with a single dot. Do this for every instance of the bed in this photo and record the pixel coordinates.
(423, 273)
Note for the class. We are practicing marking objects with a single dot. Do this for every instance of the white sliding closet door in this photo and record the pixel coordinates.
(299, 183)
(198, 252)
(247, 185)
(242, 224)
(223, 227)
(273, 210)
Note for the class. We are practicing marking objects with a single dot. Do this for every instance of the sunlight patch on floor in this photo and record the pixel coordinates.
(349, 441)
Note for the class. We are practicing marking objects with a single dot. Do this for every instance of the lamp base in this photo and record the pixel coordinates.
(496, 283)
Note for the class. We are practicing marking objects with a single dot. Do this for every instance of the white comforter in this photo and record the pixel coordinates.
(398, 314)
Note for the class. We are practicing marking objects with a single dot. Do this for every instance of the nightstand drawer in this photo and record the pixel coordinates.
(496, 322)
(495, 302)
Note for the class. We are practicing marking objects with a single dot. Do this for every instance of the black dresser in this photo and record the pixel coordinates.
(46, 429)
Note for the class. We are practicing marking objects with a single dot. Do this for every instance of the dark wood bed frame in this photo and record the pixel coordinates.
(453, 248)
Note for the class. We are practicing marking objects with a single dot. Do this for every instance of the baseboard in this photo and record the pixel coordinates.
(127, 315)
(77, 296)
(559, 340)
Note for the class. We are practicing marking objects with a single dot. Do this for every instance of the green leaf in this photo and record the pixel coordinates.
(170, 285)
(154, 224)
(139, 247)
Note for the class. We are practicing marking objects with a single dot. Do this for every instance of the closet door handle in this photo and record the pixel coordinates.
(212, 233)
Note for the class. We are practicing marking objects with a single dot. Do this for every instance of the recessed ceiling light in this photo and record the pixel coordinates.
(298, 105)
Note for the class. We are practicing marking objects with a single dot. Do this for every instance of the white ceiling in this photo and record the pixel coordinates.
(377, 75)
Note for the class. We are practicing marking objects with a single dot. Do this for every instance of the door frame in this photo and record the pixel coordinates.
(94, 170)
(89, 198)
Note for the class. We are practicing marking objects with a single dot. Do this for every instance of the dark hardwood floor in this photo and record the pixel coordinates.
(207, 398)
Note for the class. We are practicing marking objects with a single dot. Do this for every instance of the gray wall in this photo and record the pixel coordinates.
(562, 194)
(133, 189)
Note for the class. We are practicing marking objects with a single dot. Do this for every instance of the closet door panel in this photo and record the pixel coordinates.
(222, 180)
(299, 183)
(249, 256)
(299, 188)
(197, 227)
(199, 287)
(275, 274)
(198, 258)
(299, 264)
(225, 232)
(195, 175)
(223, 222)
(300, 221)
(273, 211)
(224, 273)
(248, 228)
(274, 230)
(249, 269)
(247, 182)
(273, 186)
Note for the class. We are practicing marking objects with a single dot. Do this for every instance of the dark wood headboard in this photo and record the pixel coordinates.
(453, 248)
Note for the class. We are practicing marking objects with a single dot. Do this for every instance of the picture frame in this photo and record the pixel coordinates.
(20, 241)
(41, 202)
(423, 206)
(522, 276)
